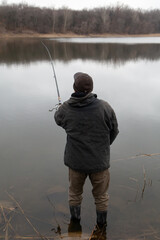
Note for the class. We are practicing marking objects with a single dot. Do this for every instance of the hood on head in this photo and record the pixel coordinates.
(82, 101)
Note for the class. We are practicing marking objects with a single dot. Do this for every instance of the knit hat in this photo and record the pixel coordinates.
(82, 82)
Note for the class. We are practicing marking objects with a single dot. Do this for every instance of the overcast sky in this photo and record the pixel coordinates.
(81, 4)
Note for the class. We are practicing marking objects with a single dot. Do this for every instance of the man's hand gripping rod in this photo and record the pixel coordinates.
(54, 75)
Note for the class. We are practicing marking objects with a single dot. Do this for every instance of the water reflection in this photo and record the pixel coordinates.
(26, 52)
(31, 145)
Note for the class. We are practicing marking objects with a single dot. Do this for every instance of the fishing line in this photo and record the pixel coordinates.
(55, 78)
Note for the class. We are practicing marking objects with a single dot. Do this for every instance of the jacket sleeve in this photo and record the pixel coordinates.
(59, 116)
(114, 127)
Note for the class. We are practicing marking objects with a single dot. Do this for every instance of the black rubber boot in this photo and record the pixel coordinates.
(74, 225)
(75, 213)
(102, 219)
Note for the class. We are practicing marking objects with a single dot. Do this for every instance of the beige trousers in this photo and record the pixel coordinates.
(100, 184)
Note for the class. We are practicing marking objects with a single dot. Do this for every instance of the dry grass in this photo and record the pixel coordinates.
(69, 35)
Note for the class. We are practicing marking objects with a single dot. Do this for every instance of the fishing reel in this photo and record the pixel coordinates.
(56, 107)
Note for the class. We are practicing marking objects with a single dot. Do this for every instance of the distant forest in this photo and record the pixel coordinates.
(20, 18)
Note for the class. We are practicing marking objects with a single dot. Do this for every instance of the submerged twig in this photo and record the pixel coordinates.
(7, 221)
(58, 230)
(150, 233)
(92, 233)
(135, 156)
(140, 190)
(23, 213)
(144, 183)
(6, 224)
(137, 190)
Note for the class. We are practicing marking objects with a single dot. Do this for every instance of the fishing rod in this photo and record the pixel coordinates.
(55, 78)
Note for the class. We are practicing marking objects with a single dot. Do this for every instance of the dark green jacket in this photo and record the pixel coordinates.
(91, 127)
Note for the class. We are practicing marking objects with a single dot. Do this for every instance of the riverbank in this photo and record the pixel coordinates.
(69, 35)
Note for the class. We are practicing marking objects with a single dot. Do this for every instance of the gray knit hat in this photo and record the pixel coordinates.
(82, 82)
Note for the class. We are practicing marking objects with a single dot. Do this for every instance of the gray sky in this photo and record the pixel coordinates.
(81, 4)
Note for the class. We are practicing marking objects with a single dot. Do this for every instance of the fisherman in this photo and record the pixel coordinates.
(91, 127)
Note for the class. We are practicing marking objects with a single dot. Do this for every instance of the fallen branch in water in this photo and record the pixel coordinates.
(136, 156)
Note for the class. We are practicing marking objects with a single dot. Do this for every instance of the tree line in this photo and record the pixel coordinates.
(119, 19)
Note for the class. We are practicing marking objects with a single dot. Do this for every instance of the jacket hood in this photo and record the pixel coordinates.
(82, 101)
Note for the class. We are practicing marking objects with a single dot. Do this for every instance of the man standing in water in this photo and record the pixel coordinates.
(91, 128)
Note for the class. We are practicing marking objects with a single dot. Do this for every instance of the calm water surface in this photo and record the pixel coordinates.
(126, 74)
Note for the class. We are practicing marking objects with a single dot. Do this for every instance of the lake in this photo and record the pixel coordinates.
(32, 174)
